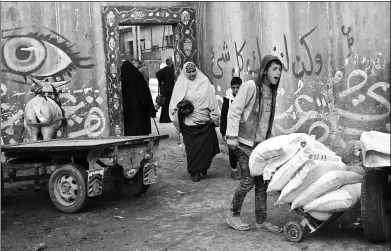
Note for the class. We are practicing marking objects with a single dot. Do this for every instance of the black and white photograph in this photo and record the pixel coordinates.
(205, 126)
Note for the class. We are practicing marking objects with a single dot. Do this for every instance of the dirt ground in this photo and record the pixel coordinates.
(174, 214)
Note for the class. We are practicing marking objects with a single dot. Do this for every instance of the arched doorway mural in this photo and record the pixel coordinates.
(185, 47)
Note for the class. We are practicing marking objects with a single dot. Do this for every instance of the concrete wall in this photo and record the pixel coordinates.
(336, 56)
(69, 45)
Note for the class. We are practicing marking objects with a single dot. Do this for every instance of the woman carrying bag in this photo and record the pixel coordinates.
(193, 110)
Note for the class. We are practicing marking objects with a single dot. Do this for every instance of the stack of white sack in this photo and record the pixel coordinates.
(338, 200)
(308, 174)
(273, 153)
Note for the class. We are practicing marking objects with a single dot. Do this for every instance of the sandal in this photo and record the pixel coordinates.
(240, 227)
(268, 227)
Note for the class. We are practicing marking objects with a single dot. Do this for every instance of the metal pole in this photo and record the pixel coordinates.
(134, 42)
(151, 39)
(164, 31)
(156, 126)
(138, 42)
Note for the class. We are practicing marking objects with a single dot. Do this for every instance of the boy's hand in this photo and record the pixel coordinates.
(232, 143)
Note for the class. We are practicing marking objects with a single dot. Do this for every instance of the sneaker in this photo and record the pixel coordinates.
(235, 175)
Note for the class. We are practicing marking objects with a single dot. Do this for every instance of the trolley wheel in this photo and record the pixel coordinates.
(293, 231)
(68, 188)
(375, 205)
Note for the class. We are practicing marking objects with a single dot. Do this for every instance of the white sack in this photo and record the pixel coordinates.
(271, 148)
(326, 183)
(312, 170)
(321, 216)
(375, 148)
(312, 142)
(338, 200)
(285, 173)
(274, 164)
(323, 155)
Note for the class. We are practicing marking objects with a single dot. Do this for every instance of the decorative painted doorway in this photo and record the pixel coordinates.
(185, 47)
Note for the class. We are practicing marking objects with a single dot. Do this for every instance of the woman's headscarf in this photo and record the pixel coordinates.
(199, 91)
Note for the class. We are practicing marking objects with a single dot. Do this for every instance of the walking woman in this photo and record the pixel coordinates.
(138, 108)
(193, 90)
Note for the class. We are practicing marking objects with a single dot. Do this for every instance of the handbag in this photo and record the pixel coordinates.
(160, 99)
(185, 107)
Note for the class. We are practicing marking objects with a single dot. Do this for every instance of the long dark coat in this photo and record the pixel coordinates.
(138, 106)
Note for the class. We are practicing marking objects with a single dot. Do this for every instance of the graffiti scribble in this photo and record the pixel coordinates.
(349, 40)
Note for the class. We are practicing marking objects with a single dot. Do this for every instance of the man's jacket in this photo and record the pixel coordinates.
(243, 114)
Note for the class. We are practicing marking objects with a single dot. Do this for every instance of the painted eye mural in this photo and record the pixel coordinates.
(40, 54)
(45, 55)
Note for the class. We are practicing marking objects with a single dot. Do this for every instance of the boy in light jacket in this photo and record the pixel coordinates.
(250, 120)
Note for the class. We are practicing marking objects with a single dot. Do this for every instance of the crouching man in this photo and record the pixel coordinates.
(250, 119)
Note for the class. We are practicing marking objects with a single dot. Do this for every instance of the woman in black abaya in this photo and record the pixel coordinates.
(138, 106)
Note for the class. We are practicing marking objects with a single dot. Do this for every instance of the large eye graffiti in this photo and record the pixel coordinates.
(23, 54)
(40, 54)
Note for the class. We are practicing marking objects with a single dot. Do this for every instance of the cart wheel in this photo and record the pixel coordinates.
(130, 187)
(293, 231)
(68, 188)
(375, 205)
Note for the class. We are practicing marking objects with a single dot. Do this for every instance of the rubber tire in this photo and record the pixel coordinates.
(297, 227)
(375, 191)
(130, 187)
(80, 174)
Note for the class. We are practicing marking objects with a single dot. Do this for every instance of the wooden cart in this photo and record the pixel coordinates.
(77, 168)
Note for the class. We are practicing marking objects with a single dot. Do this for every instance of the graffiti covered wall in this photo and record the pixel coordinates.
(336, 73)
(54, 42)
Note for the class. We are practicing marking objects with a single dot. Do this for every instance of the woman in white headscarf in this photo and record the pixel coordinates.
(198, 127)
